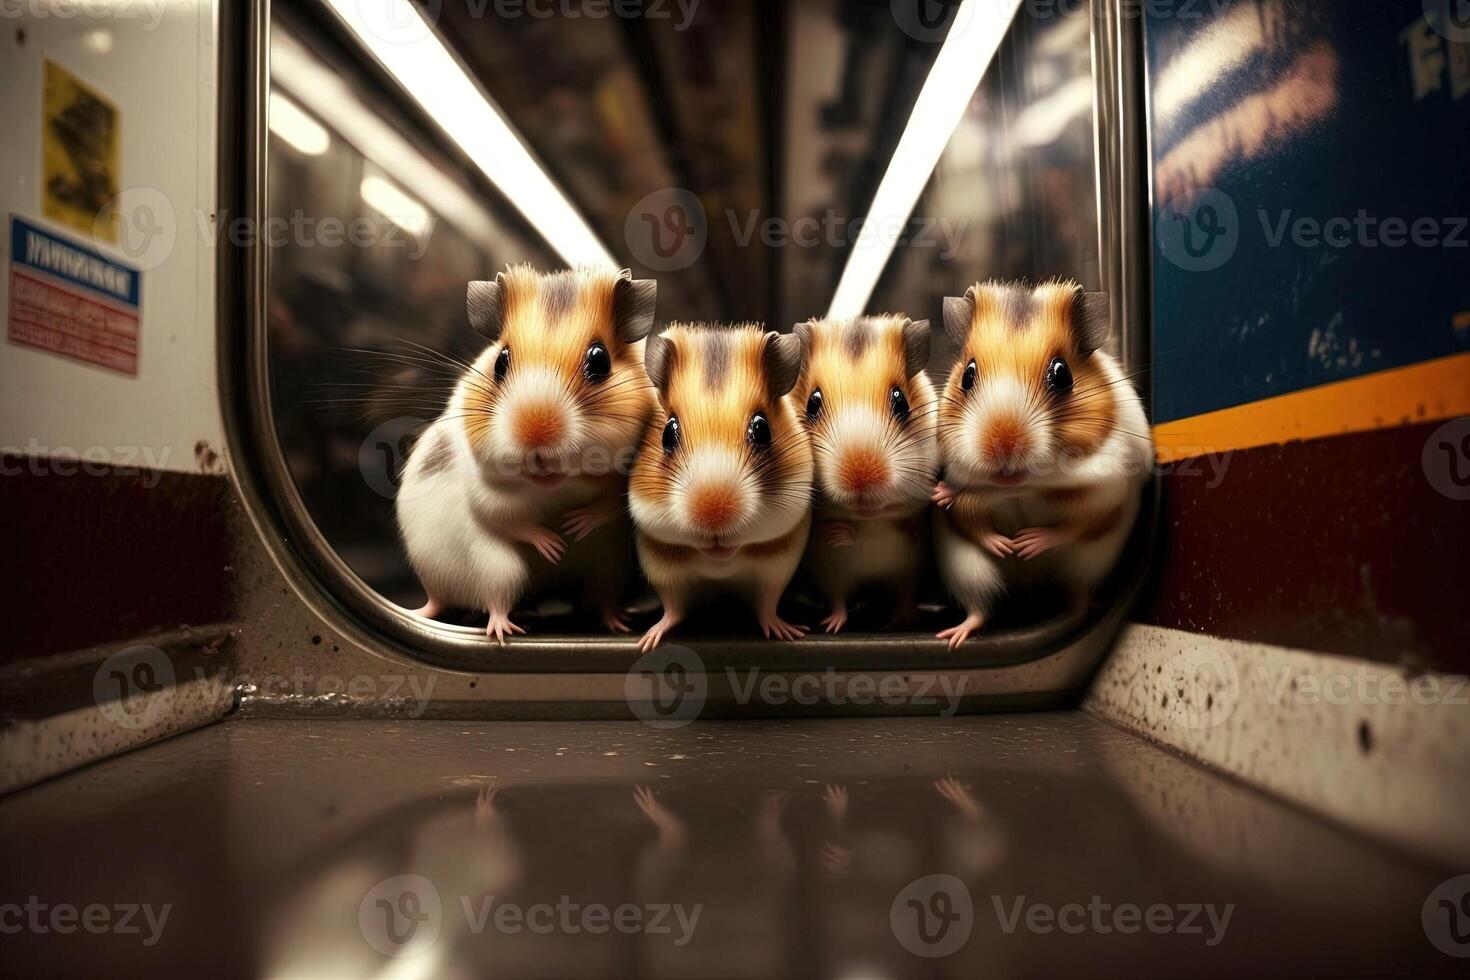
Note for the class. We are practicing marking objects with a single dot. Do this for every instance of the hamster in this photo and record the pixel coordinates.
(871, 411)
(721, 490)
(1044, 446)
(539, 434)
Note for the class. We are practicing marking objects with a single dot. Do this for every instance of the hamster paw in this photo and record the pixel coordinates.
(615, 621)
(840, 534)
(547, 543)
(582, 521)
(774, 626)
(430, 609)
(1034, 541)
(501, 627)
(998, 545)
(957, 635)
(655, 634)
(944, 495)
(837, 620)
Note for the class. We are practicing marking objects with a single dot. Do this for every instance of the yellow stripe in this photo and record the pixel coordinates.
(1421, 392)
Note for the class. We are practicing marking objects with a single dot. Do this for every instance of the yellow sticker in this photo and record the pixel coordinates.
(79, 156)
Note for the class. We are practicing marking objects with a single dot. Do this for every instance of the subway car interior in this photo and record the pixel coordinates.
(868, 488)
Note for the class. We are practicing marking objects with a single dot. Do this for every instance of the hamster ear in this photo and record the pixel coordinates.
(917, 338)
(782, 356)
(483, 301)
(959, 312)
(633, 304)
(1092, 321)
(658, 360)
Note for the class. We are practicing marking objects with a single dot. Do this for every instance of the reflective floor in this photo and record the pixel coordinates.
(1061, 847)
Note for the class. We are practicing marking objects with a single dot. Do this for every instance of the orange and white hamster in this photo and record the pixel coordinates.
(1044, 445)
(721, 490)
(538, 435)
(872, 414)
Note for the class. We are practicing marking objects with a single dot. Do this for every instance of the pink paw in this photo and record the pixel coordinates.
(500, 627)
(837, 620)
(774, 626)
(944, 495)
(1034, 541)
(548, 543)
(582, 521)
(957, 635)
(998, 545)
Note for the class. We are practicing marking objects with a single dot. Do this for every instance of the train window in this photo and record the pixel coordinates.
(763, 161)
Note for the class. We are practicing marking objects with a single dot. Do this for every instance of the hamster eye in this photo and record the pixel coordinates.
(968, 381)
(814, 405)
(759, 431)
(898, 405)
(502, 364)
(598, 363)
(1058, 377)
(671, 434)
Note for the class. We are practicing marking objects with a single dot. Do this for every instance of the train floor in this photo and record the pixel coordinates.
(1037, 845)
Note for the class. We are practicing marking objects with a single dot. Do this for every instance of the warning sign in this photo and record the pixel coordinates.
(71, 299)
(79, 156)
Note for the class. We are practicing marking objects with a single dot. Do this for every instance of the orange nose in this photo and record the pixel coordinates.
(861, 471)
(538, 427)
(1005, 439)
(712, 508)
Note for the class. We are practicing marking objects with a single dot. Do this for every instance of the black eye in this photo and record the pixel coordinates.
(598, 364)
(502, 364)
(759, 431)
(898, 405)
(968, 381)
(814, 405)
(1059, 377)
(671, 434)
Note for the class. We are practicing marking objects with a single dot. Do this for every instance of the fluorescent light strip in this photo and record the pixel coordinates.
(291, 123)
(333, 101)
(962, 62)
(395, 33)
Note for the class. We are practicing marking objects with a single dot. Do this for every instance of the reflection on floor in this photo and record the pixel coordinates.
(1064, 846)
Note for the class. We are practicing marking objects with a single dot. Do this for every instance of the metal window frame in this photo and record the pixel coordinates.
(1043, 665)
